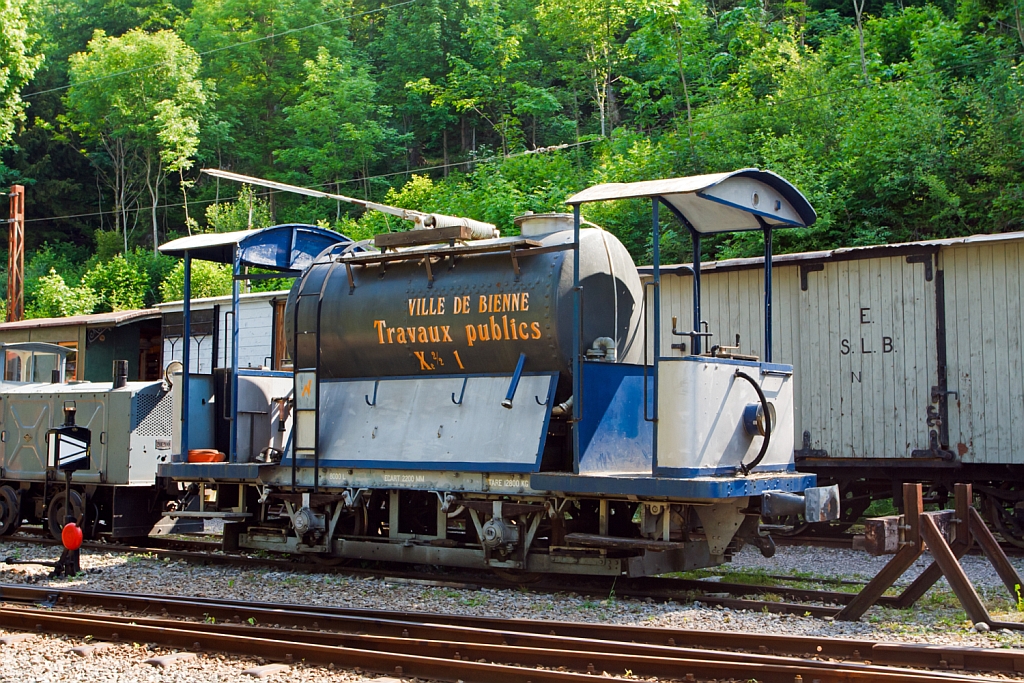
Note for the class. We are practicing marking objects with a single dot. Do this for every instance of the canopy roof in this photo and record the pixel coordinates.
(288, 247)
(718, 202)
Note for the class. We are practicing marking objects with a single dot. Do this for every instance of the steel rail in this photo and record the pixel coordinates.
(595, 659)
(614, 639)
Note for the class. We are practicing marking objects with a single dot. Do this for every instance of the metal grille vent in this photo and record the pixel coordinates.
(153, 414)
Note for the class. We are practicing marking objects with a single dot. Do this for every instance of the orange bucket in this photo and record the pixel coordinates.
(206, 455)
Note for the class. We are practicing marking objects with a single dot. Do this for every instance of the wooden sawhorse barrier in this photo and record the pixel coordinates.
(910, 534)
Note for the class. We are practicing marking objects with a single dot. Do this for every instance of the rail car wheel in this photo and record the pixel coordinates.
(10, 510)
(1008, 521)
(56, 511)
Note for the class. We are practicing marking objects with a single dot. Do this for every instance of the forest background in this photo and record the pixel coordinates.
(898, 121)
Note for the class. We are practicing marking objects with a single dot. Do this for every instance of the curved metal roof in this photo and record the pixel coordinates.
(288, 247)
(717, 202)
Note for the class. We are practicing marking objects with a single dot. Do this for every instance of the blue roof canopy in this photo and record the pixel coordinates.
(289, 248)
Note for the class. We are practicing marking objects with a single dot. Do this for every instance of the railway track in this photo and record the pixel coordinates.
(711, 593)
(778, 599)
(488, 650)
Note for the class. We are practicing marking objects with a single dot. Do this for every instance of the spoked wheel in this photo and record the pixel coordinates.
(10, 510)
(56, 511)
(1007, 518)
(517, 577)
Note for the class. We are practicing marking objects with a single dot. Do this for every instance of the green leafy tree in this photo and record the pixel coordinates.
(17, 63)
(491, 82)
(120, 285)
(339, 130)
(137, 101)
(208, 279)
(591, 33)
(248, 212)
(56, 299)
(258, 57)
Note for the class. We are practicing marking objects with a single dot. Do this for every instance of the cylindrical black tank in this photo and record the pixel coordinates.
(476, 318)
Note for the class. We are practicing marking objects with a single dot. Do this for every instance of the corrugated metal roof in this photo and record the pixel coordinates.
(114, 319)
(719, 202)
(840, 254)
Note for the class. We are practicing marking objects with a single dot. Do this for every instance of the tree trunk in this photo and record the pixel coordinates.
(1020, 24)
(858, 10)
(153, 185)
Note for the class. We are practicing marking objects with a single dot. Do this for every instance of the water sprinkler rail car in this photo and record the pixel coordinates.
(493, 402)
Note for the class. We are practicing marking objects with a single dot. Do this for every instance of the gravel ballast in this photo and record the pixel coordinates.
(936, 619)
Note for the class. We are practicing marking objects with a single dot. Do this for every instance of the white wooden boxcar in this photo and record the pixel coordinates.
(261, 340)
(908, 360)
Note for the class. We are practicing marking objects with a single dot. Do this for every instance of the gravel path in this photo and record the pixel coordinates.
(937, 618)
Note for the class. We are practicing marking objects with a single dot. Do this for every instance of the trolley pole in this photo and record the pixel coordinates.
(16, 255)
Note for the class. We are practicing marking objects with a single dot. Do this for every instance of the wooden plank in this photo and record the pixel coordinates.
(961, 543)
(915, 364)
(408, 238)
(1011, 579)
(869, 595)
(841, 367)
(898, 362)
(1015, 374)
(890, 377)
(960, 367)
(1001, 347)
(986, 340)
(953, 572)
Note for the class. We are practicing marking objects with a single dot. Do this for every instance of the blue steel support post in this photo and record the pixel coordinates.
(577, 385)
(695, 238)
(235, 284)
(767, 292)
(656, 259)
(186, 336)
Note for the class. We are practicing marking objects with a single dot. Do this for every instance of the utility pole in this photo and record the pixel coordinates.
(16, 255)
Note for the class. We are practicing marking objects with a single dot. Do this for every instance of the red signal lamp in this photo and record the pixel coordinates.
(71, 536)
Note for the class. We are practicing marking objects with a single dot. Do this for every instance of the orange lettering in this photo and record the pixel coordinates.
(391, 335)
(526, 301)
(422, 335)
(380, 325)
(458, 360)
(412, 307)
(485, 332)
(514, 335)
(524, 332)
(445, 337)
(495, 330)
(470, 334)
(536, 330)
(435, 335)
(401, 335)
(483, 304)
(424, 365)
